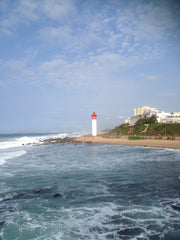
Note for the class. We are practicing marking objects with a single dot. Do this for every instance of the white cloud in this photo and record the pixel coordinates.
(27, 10)
(113, 27)
(101, 69)
(30, 53)
(112, 61)
(58, 9)
(147, 77)
(59, 35)
(16, 14)
(97, 44)
(154, 23)
(15, 71)
(19, 13)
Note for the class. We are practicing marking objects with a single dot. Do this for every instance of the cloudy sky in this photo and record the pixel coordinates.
(60, 60)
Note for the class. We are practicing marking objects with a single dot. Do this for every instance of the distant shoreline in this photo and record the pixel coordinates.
(158, 143)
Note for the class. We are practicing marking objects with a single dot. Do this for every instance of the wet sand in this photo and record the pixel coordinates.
(159, 143)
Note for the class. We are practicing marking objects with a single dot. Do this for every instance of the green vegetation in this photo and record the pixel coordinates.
(148, 127)
(171, 129)
(134, 138)
(146, 120)
(124, 130)
(138, 129)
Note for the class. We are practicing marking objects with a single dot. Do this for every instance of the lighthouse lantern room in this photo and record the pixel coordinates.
(94, 124)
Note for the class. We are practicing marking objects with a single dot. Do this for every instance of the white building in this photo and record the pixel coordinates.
(132, 120)
(164, 117)
(147, 111)
(150, 112)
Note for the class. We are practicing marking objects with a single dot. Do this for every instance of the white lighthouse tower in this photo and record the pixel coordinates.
(94, 124)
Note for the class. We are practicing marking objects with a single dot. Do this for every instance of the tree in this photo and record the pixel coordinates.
(153, 119)
(146, 120)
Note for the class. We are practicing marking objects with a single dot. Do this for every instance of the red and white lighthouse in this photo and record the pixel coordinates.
(94, 124)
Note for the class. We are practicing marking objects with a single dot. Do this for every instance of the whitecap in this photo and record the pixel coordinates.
(9, 155)
(26, 140)
(18, 142)
(172, 150)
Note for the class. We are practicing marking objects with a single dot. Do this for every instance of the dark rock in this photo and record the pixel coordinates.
(175, 207)
(58, 140)
(57, 195)
(41, 190)
(28, 194)
(17, 196)
(2, 223)
(9, 209)
(130, 231)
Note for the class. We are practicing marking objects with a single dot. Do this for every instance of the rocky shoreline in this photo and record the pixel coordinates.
(58, 140)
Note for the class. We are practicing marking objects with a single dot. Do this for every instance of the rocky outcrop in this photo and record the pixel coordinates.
(2, 223)
(43, 192)
(58, 140)
(176, 207)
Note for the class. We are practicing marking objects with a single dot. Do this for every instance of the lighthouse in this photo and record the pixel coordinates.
(94, 124)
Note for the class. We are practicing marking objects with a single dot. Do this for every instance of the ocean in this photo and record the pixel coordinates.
(87, 191)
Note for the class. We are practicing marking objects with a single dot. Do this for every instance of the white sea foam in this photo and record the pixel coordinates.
(25, 140)
(66, 134)
(104, 193)
(99, 223)
(172, 150)
(9, 155)
(17, 142)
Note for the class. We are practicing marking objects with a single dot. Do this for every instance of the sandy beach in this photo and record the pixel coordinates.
(125, 141)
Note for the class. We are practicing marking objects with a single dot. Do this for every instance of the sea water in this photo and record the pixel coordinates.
(87, 191)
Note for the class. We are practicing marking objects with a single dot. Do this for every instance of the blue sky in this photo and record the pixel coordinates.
(62, 60)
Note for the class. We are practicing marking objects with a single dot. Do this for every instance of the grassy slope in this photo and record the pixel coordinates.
(154, 129)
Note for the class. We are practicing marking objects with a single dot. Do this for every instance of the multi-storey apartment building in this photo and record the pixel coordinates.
(164, 117)
(147, 111)
(140, 111)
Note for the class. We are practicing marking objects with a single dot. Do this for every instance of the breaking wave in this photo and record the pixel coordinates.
(14, 142)
(9, 155)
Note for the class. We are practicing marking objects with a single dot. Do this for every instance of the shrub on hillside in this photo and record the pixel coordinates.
(146, 120)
